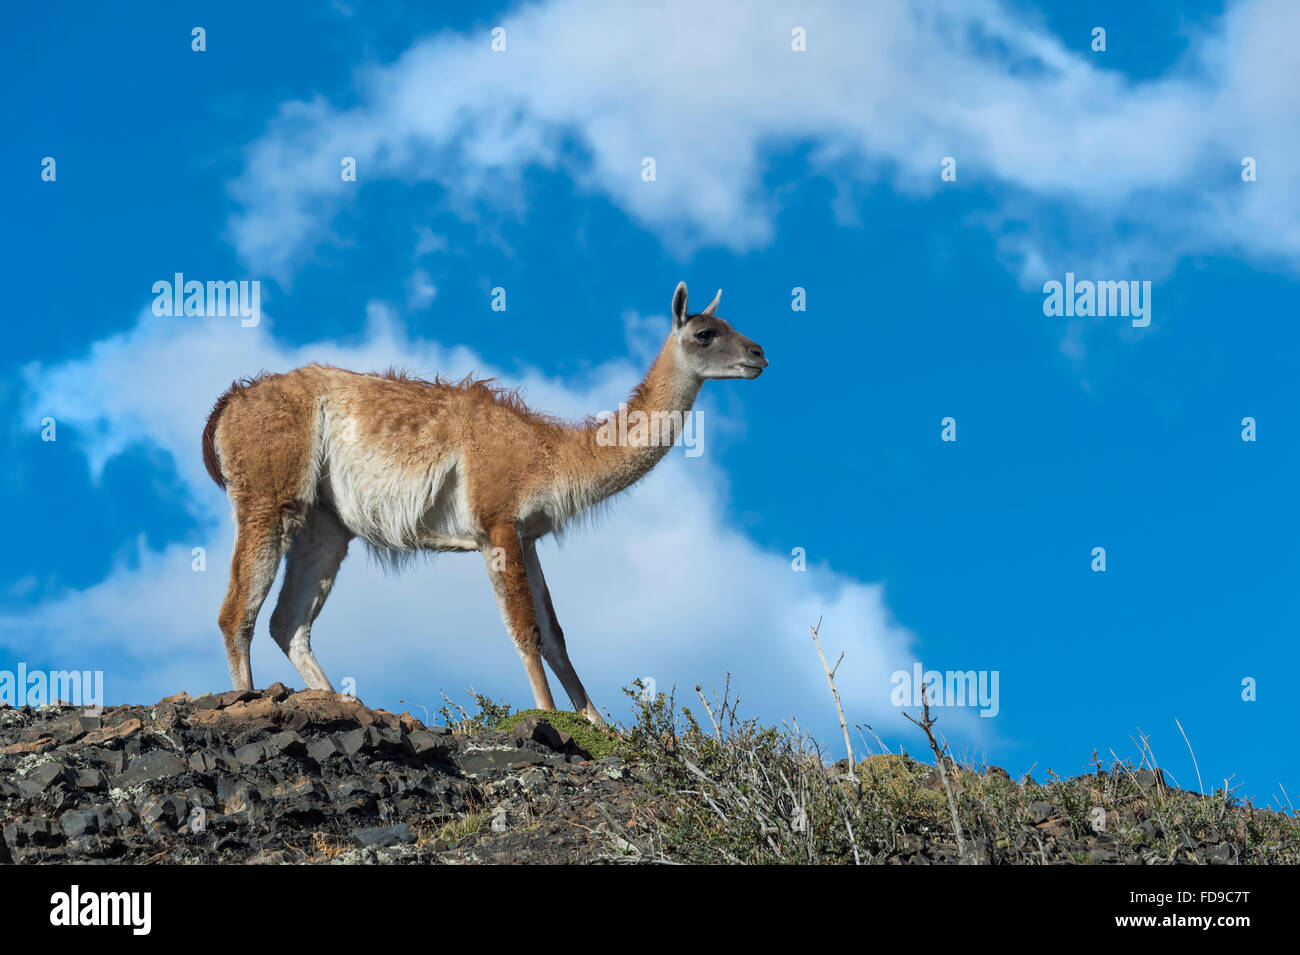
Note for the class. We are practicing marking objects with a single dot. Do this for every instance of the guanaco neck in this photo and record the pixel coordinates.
(619, 451)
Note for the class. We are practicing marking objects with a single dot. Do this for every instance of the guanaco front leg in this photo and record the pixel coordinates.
(554, 650)
(506, 567)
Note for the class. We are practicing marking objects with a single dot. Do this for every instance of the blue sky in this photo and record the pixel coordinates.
(775, 169)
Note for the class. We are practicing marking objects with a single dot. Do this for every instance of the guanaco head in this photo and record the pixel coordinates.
(711, 348)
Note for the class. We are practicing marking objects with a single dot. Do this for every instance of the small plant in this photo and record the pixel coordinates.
(488, 716)
(736, 791)
(465, 826)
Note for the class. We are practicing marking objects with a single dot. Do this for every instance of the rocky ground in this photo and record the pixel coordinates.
(313, 777)
(278, 776)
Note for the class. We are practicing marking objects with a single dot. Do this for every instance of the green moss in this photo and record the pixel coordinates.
(596, 741)
(898, 782)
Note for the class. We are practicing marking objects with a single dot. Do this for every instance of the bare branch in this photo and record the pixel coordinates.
(716, 728)
(1193, 752)
(926, 722)
(830, 679)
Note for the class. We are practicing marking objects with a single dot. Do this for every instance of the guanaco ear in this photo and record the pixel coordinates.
(679, 305)
(712, 306)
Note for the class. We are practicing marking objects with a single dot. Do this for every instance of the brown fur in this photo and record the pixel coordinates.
(485, 388)
(210, 459)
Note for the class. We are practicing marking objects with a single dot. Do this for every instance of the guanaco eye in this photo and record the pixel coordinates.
(705, 336)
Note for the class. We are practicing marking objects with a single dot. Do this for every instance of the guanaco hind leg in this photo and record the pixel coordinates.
(310, 567)
(257, 552)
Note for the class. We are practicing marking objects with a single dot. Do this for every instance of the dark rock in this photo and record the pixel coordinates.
(90, 779)
(109, 819)
(42, 778)
(350, 743)
(232, 697)
(29, 832)
(251, 754)
(364, 807)
(203, 761)
(287, 743)
(171, 811)
(570, 747)
(1148, 779)
(298, 790)
(147, 767)
(427, 745)
(383, 836)
(277, 692)
(1223, 854)
(166, 716)
(1102, 854)
(112, 761)
(539, 730)
(68, 730)
(1040, 812)
(496, 760)
(323, 748)
(78, 822)
(350, 787)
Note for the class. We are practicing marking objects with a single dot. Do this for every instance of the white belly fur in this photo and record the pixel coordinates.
(389, 506)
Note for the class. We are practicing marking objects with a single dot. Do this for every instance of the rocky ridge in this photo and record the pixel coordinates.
(277, 776)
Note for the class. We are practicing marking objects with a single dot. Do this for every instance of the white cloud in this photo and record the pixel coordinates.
(661, 587)
(883, 91)
(428, 242)
(420, 290)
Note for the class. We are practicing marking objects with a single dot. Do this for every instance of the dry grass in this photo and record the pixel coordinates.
(323, 850)
(729, 790)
